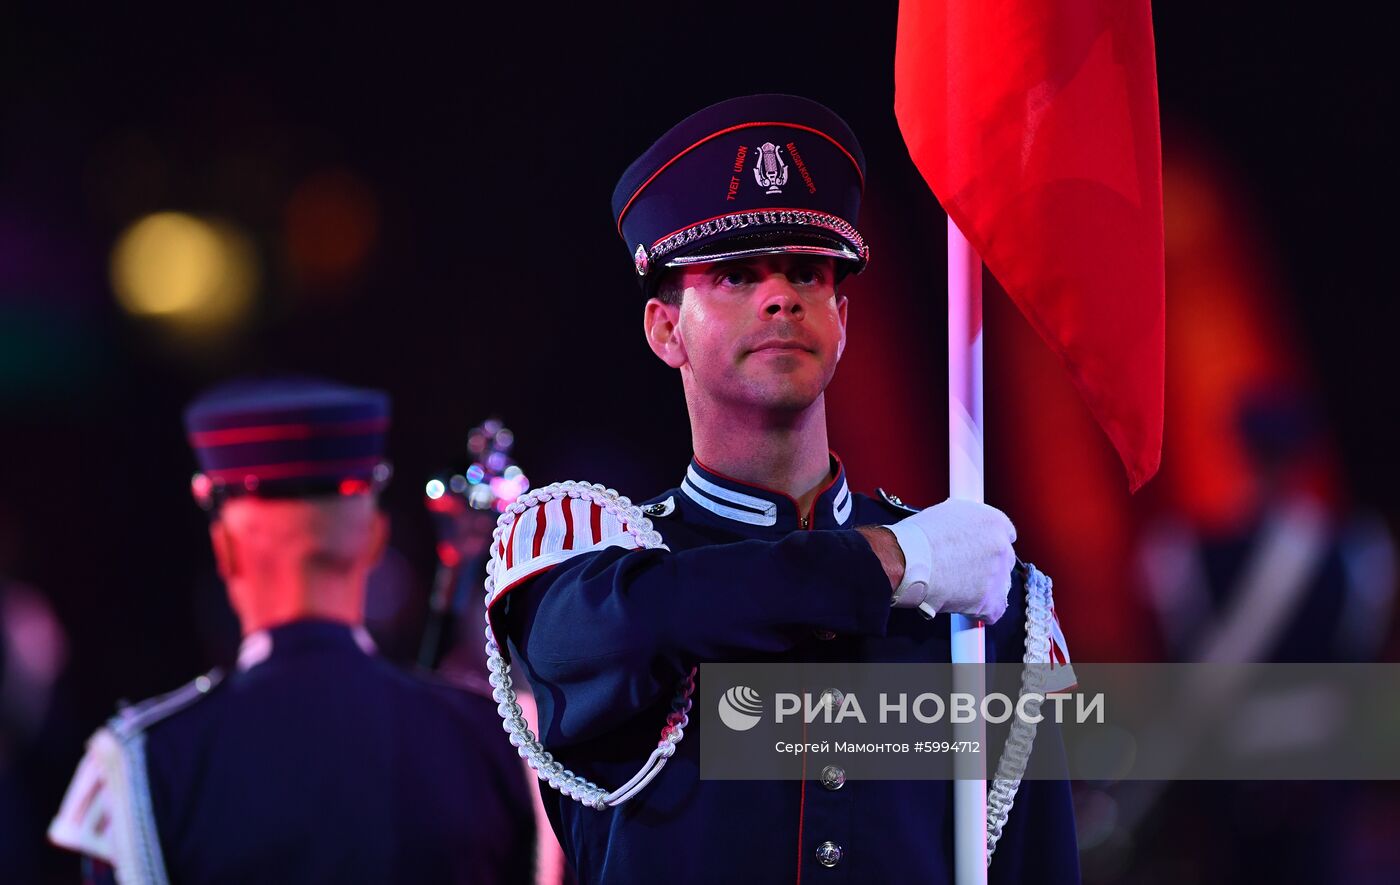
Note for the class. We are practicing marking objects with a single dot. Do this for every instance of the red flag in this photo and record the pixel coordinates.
(1035, 123)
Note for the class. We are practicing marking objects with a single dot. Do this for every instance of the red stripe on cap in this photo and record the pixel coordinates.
(293, 469)
(595, 522)
(568, 523)
(638, 192)
(541, 521)
(234, 436)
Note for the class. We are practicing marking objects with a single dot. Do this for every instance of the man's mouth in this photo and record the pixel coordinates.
(777, 344)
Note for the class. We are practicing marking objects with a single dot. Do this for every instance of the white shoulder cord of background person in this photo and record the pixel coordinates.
(1009, 771)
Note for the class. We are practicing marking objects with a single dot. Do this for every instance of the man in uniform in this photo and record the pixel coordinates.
(741, 224)
(314, 760)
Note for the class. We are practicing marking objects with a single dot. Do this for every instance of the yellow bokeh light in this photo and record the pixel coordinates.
(182, 268)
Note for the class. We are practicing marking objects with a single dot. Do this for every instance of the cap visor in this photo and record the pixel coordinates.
(767, 243)
(839, 253)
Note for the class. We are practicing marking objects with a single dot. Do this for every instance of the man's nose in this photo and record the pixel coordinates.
(779, 296)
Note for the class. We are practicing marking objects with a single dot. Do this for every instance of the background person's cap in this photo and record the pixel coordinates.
(287, 437)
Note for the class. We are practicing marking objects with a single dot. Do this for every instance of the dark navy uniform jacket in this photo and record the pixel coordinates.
(316, 761)
(605, 637)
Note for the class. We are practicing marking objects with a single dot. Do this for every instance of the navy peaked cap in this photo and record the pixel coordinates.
(287, 437)
(748, 176)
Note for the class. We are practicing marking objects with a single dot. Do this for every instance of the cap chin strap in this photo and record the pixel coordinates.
(527, 745)
(1017, 752)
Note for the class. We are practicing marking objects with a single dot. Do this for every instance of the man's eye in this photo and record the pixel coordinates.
(733, 278)
(806, 276)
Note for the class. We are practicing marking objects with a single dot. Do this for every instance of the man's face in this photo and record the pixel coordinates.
(761, 332)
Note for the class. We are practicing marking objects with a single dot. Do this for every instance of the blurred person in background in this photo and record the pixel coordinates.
(464, 504)
(313, 760)
(1295, 579)
(1255, 550)
(1248, 547)
(33, 718)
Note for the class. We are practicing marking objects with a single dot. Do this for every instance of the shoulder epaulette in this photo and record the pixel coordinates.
(546, 526)
(550, 525)
(135, 718)
(107, 812)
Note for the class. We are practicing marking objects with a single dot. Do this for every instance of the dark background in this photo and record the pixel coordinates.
(490, 139)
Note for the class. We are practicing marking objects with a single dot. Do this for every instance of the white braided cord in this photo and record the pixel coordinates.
(1010, 768)
(541, 762)
(1017, 752)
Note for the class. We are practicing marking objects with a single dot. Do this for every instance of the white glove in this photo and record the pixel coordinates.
(957, 558)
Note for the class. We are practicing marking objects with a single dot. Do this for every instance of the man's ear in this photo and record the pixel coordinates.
(660, 323)
(225, 557)
(841, 305)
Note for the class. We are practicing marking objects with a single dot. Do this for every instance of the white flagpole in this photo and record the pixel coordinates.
(965, 481)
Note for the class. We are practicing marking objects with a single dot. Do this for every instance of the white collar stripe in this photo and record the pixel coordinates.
(754, 510)
(729, 496)
(364, 641)
(255, 649)
(745, 516)
(841, 509)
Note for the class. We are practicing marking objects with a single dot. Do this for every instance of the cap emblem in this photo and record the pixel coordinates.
(642, 260)
(770, 171)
